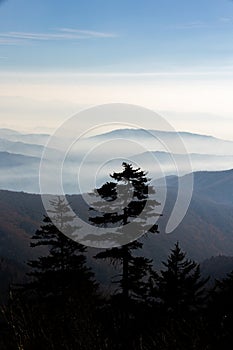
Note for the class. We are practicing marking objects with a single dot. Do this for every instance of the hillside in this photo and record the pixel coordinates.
(205, 231)
(217, 267)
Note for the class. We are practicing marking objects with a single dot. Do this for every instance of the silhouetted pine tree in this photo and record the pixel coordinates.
(64, 267)
(127, 197)
(56, 309)
(179, 288)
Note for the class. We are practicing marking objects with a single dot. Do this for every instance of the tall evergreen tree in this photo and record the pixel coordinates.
(63, 267)
(56, 309)
(179, 287)
(127, 197)
(128, 205)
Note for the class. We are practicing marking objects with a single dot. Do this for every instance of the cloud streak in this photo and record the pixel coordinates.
(220, 22)
(14, 38)
(192, 25)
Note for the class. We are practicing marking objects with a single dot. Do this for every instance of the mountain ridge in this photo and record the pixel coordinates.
(156, 131)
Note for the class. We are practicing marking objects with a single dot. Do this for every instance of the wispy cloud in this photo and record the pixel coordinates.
(86, 33)
(222, 21)
(10, 41)
(192, 25)
(15, 38)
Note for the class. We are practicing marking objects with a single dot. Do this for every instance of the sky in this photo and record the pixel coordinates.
(173, 56)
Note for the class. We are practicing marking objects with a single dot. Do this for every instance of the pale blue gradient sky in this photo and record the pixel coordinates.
(175, 57)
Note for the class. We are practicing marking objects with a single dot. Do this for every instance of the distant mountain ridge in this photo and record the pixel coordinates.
(19, 147)
(194, 143)
(215, 185)
(148, 132)
(16, 136)
(16, 160)
(13, 135)
(192, 162)
(20, 156)
(126, 132)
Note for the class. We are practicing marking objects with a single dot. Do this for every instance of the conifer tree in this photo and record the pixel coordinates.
(128, 197)
(63, 267)
(57, 308)
(179, 287)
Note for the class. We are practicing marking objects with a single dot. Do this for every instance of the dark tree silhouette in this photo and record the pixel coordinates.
(64, 268)
(179, 287)
(127, 197)
(58, 304)
(133, 281)
(128, 205)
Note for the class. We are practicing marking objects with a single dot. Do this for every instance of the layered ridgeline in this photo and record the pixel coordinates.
(20, 156)
(207, 229)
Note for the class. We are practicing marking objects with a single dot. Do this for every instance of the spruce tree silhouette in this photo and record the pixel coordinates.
(59, 302)
(64, 268)
(179, 287)
(127, 197)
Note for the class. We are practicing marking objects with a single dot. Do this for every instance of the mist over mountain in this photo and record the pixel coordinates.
(8, 132)
(12, 135)
(19, 172)
(194, 143)
(155, 151)
(17, 160)
(155, 140)
(19, 147)
(169, 163)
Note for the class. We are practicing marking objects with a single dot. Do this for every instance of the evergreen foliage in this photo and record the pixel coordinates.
(130, 184)
(179, 287)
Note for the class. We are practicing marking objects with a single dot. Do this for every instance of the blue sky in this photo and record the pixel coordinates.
(174, 56)
(136, 35)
